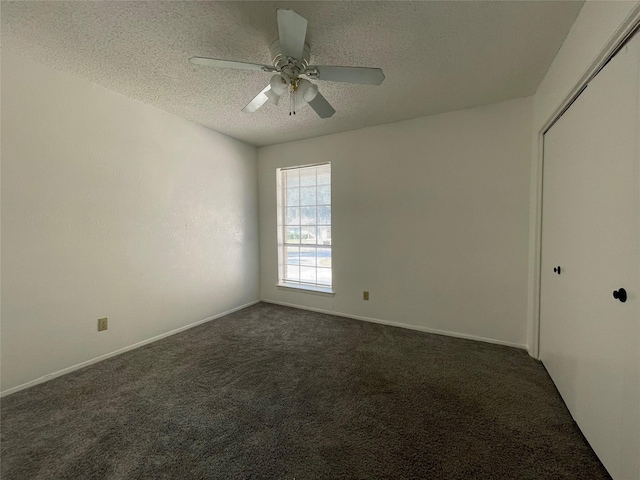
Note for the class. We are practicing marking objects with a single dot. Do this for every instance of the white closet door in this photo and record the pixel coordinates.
(590, 341)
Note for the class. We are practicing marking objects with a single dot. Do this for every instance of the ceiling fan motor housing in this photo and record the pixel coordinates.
(296, 65)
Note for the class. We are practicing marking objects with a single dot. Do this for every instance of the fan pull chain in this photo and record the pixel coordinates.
(292, 102)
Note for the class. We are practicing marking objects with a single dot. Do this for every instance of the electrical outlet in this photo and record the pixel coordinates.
(365, 295)
(102, 324)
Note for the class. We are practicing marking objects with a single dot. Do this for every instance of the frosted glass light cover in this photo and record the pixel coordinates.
(278, 84)
(273, 97)
(310, 93)
(307, 90)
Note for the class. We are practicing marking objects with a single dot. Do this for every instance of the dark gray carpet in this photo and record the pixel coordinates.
(278, 393)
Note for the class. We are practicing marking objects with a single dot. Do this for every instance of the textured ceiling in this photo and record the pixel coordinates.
(437, 56)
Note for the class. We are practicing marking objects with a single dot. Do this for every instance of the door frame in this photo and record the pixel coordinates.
(629, 27)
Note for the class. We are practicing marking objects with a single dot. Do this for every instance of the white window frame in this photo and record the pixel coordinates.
(297, 285)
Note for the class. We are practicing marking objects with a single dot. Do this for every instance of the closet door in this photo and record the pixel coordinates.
(589, 340)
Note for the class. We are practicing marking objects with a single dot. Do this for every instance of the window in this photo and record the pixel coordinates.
(304, 227)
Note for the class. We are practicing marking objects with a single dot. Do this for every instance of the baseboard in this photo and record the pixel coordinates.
(86, 363)
(404, 325)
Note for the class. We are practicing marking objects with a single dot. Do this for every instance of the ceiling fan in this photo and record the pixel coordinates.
(290, 55)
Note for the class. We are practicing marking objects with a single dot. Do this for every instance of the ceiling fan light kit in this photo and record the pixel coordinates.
(272, 96)
(307, 90)
(279, 83)
(290, 56)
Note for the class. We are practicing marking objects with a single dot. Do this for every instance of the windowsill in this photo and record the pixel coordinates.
(322, 291)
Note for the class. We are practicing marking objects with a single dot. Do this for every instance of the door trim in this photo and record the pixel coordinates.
(629, 27)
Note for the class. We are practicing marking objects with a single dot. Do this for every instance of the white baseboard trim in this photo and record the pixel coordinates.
(403, 325)
(64, 371)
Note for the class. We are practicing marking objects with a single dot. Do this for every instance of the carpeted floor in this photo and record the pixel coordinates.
(271, 392)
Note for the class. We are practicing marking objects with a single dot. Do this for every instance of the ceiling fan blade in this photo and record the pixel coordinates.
(362, 75)
(257, 101)
(321, 106)
(292, 31)
(215, 62)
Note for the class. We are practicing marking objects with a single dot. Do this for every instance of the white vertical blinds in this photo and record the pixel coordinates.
(306, 246)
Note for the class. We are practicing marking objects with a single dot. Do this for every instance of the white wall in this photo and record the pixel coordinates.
(594, 27)
(591, 35)
(112, 208)
(429, 215)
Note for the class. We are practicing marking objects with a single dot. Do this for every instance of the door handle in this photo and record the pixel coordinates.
(620, 295)
(557, 269)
